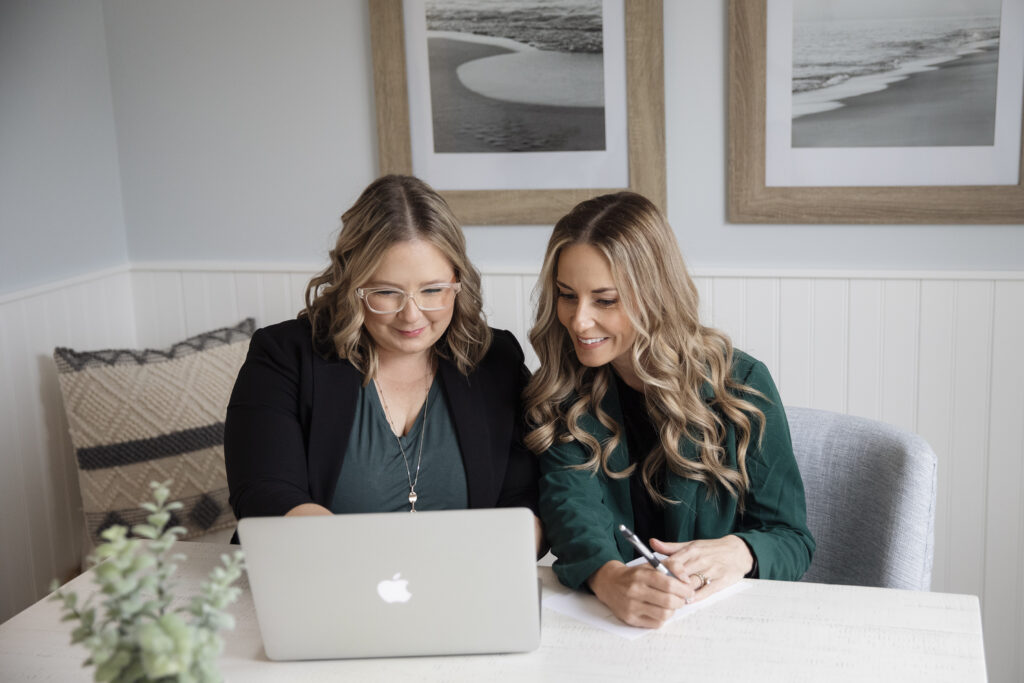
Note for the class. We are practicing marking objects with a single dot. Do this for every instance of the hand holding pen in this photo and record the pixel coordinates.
(651, 558)
(636, 595)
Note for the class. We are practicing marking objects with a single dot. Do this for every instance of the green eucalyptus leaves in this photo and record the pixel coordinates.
(140, 636)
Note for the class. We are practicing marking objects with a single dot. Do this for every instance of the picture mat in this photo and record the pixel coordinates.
(891, 166)
(519, 170)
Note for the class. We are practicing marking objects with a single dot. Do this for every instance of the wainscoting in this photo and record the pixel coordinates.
(41, 524)
(938, 353)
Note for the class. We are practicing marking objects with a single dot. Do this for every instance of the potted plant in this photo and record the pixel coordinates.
(136, 634)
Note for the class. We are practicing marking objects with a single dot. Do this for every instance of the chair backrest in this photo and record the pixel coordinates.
(870, 491)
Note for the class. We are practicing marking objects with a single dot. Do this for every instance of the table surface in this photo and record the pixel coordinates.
(772, 631)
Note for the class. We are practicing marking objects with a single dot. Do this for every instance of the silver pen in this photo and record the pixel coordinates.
(645, 551)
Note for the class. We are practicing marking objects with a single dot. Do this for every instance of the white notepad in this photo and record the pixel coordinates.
(587, 608)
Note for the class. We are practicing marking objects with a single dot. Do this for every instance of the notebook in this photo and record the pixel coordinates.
(394, 584)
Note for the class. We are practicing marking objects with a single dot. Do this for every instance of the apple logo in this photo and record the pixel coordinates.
(394, 589)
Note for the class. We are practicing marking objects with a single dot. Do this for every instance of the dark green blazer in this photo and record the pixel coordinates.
(581, 510)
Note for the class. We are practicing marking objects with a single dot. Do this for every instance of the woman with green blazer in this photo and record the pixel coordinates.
(643, 417)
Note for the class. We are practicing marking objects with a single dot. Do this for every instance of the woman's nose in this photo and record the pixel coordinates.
(582, 319)
(411, 311)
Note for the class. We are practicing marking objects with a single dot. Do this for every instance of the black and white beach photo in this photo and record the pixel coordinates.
(894, 73)
(516, 75)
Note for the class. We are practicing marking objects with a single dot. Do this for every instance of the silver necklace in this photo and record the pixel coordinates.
(413, 496)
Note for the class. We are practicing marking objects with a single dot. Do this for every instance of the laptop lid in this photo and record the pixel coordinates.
(394, 584)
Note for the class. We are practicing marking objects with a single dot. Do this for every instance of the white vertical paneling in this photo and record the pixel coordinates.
(864, 361)
(795, 323)
(1005, 511)
(729, 312)
(707, 299)
(829, 342)
(938, 355)
(761, 338)
(526, 287)
(249, 297)
(118, 308)
(39, 498)
(971, 378)
(159, 308)
(210, 301)
(279, 298)
(297, 291)
(900, 324)
(504, 304)
(46, 467)
(58, 440)
(24, 346)
(194, 298)
(935, 418)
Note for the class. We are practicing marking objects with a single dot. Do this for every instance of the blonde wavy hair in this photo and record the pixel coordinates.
(392, 209)
(673, 355)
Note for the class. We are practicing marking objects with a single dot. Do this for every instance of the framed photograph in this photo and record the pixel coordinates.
(907, 111)
(516, 110)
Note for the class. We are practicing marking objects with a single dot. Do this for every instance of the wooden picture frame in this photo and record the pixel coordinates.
(751, 201)
(645, 111)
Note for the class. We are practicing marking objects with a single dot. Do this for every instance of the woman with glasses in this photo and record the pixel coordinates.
(645, 418)
(389, 392)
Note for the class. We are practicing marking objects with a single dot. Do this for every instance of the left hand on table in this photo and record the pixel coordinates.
(722, 561)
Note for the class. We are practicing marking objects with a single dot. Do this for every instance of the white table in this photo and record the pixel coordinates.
(773, 631)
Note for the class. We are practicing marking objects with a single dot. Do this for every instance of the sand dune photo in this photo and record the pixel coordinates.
(516, 76)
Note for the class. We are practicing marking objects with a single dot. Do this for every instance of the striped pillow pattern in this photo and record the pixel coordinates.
(137, 416)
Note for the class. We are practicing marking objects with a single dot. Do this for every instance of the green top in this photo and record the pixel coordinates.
(581, 511)
(373, 477)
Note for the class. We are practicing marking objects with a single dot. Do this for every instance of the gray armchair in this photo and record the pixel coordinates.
(870, 499)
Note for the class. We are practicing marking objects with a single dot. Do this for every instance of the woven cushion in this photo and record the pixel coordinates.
(153, 415)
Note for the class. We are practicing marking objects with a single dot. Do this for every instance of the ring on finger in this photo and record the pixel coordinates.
(703, 580)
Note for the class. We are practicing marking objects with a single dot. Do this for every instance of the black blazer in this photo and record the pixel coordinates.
(292, 407)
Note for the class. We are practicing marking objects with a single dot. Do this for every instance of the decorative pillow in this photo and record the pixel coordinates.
(153, 415)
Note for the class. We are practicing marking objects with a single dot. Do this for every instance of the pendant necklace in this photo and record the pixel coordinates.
(413, 497)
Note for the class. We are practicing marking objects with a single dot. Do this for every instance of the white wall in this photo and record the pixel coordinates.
(60, 198)
(41, 524)
(241, 129)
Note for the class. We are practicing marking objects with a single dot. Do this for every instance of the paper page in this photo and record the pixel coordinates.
(587, 608)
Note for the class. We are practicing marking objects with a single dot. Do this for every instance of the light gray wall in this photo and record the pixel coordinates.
(60, 197)
(696, 110)
(246, 128)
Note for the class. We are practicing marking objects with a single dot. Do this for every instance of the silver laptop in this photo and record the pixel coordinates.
(394, 584)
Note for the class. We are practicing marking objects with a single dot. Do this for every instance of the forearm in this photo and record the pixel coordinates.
(783, 554)
(599, 581)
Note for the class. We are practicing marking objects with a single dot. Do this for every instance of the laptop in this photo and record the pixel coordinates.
(394, 584)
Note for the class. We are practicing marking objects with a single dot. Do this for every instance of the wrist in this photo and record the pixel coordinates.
(750, 570)
(606, 572)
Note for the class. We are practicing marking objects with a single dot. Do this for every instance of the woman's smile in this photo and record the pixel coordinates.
(591, 310)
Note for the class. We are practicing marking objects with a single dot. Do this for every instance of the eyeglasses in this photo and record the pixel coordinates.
(434, 297)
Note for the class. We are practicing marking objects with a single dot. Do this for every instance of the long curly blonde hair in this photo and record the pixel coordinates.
(674, 356)
(392, 209)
